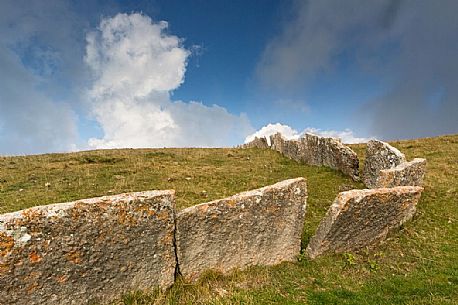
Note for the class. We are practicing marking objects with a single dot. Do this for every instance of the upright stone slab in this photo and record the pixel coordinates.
(87, 250)
(259, 227)
(277, 142)
(359, 218)
(407, 173)
(330, 152)
(379, 156)
(315, 150)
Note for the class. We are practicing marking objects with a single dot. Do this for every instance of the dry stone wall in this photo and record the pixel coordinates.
(259, 227)
(87, 250)
(315, 150)
(358, 218)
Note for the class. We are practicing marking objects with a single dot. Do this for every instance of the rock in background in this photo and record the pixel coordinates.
(88, 250)
(259, 227)
(256, 143)
(408, 173)
(379, 156)
(359, 218)
(315, 150)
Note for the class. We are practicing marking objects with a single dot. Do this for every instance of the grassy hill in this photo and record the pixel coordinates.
(418, 265)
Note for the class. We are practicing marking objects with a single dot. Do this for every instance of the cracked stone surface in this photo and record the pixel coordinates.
(88, 250)
(360, 218)
(379, 156)
(259, 227)
(408, 173)
(315, 150)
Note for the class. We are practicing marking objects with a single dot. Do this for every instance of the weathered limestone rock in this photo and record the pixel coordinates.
(379, 156)
(358, 218)
(315, 150)
(277, 142)
(88, 250)
(408, 173)
(259, 227)
(256, 143)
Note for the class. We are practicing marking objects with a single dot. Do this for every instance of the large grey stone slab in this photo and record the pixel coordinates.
(359, 218)
(259, 227)
(321, 151)
(379, 156)
(330, 152)
(407, 173)
(87, 250)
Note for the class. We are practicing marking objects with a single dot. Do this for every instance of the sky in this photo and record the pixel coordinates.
(79, 75)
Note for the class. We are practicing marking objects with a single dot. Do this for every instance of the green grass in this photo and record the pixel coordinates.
(417, 265)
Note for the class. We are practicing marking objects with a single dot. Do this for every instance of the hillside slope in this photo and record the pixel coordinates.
(418, 265)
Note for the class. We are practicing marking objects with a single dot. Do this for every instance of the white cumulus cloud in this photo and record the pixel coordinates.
(270, 129)
(346, 135)
(289, 133)
(136, 65)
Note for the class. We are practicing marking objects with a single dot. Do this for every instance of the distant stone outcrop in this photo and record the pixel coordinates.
(407, 173)
(256, 143)
(259, 227)
(379, 156)
(358, 218)
(88, 250)
(315, 150)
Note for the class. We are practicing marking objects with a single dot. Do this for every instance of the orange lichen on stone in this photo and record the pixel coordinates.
(4, 268)
(34, 257)
(32, 287)
(231, 203)
(62, 278)
(74, 257)
(163, 215)
(167, 239)
(31, 214)
(145, 210)
(6, 244)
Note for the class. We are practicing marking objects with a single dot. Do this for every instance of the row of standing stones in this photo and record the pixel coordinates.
(94, 250)
(357, 218)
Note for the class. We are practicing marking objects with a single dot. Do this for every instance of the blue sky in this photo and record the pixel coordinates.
(101, 74)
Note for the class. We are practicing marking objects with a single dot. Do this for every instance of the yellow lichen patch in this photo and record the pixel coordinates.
(125, 218)
(34, 257)
(232, 203)
(167, 239)
(4, 268)
(162, 215)
(31, 214)
(32, 287)
(105, 204)
(62, 278)
(6, 244)
(145, 210)
(74, 257)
